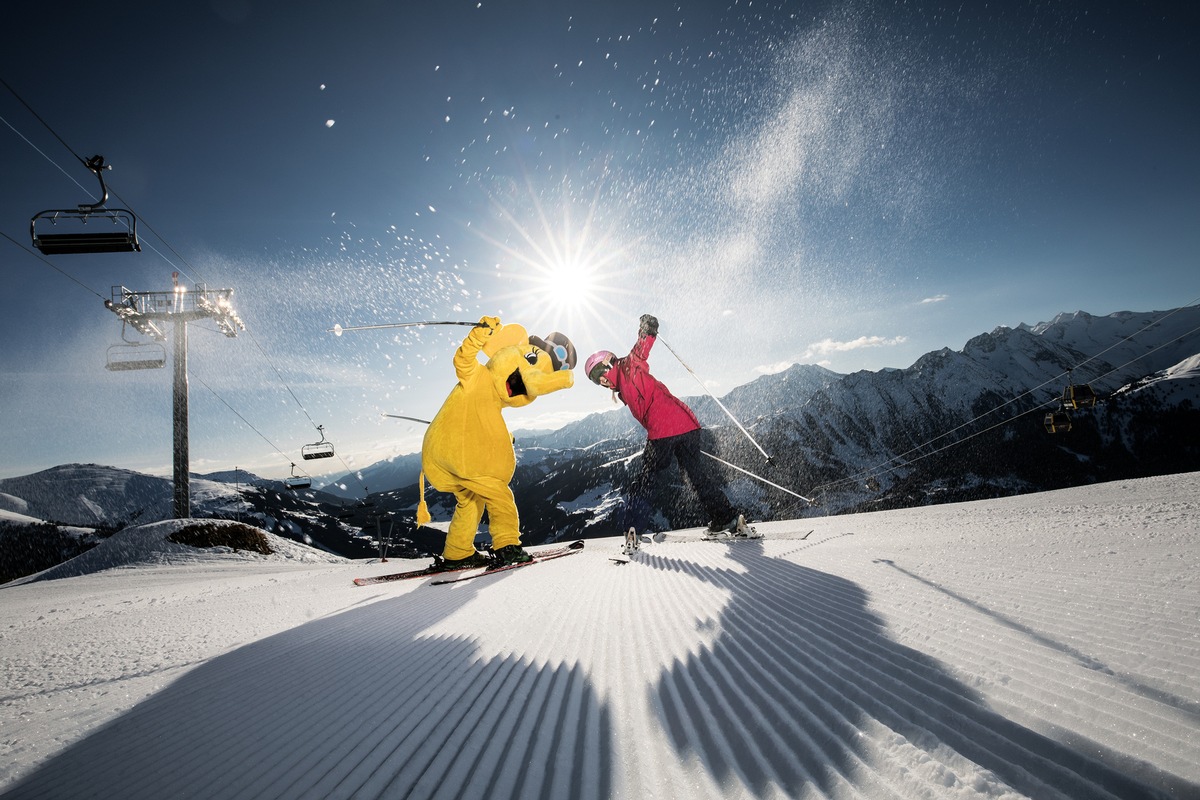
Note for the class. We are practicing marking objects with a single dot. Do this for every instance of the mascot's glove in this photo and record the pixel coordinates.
(648, 325)
(483, 331)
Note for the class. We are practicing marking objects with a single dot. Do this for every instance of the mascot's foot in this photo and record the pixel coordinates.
(513, 554)
(470, 562)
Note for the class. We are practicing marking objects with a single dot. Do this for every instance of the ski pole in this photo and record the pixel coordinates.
(338, 329)
(757, 477)
(719, 403)
(411, 419)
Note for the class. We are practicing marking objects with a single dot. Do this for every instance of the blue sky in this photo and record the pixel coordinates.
(850, 184)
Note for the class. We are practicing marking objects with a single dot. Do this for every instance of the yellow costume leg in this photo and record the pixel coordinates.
(460, 538)
(503, 521)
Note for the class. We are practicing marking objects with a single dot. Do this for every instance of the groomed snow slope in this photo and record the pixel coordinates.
(1042, 646)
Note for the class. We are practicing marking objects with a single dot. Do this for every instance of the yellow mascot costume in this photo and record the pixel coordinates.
(468, 450)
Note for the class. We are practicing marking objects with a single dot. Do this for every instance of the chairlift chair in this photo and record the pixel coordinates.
(872, 484)
(113, 230)
(297, 481)
(321, 449)
(132, 356)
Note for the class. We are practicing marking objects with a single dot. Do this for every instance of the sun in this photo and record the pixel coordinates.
(563, 272)
(569, 283)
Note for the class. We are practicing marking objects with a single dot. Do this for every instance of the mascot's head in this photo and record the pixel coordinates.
(526, 367)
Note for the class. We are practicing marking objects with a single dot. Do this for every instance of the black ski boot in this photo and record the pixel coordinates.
(477, 559)
(507, 556)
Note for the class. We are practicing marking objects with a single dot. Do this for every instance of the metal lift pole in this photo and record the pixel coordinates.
(143, 310)
(183, 504)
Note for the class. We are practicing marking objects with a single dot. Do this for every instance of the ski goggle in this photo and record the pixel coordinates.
(558, 347)
(599, 371)
(558, 356)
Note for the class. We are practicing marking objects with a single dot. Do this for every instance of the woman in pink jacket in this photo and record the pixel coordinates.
(672, 432)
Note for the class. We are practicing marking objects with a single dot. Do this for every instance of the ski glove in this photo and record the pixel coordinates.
(648, 325)
(483, 331)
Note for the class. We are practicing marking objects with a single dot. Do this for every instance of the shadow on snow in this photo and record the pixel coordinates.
(814, 694)
(357, 704)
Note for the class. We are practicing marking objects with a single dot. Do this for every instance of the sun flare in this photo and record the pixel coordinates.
(562, 274)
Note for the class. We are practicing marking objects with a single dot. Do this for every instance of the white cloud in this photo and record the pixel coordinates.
(773, 369)
(937, 298)
(827, 346)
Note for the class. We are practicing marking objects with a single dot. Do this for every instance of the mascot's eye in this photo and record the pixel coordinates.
(532, 357)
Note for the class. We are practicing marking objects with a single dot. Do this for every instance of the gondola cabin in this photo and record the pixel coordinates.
(1058, 422)
(1078, 395)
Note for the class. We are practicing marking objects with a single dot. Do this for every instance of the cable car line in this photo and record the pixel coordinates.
(53, 266)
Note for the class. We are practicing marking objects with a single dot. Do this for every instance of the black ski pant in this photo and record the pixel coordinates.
(686, 448)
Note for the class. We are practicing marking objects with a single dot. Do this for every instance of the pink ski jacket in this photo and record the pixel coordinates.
(661, 413)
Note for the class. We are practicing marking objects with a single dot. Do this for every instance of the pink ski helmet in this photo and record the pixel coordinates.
(596, 360)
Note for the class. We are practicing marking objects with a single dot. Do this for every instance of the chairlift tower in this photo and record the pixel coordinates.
(148, 312)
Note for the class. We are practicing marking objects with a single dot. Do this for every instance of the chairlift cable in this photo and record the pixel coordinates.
(281, 380)
(41, 153)
(243, 419)
(45, 124)
(52, 265)
(319, 428)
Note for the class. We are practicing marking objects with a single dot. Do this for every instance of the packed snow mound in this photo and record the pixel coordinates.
(154, 544)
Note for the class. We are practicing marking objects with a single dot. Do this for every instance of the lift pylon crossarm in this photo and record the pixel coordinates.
(140, 322)
(221, 312)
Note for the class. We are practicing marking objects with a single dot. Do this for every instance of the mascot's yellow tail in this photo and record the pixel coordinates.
(422, 508)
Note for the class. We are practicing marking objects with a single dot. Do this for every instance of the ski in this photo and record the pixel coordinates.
(404, 576)
(426, 572)
(546, 555)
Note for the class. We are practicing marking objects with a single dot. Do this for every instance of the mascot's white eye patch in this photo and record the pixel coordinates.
(532, 356)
